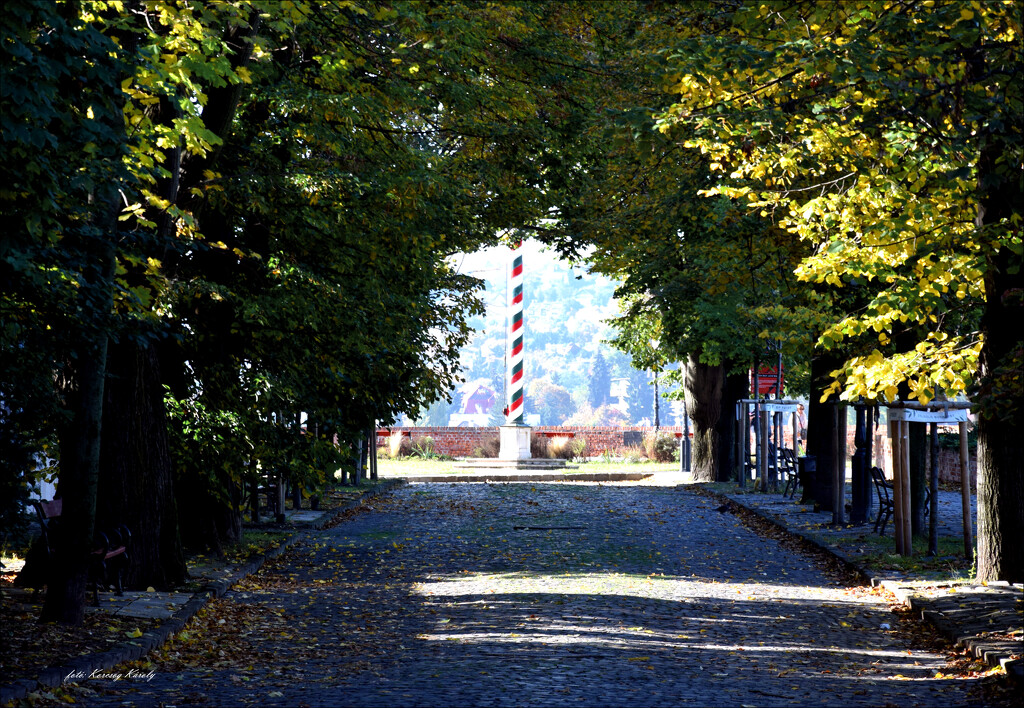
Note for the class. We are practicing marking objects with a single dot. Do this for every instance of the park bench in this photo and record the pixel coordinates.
(109, 554)
(788, 468)
(788, 471)
(272, 487)
(883, 488)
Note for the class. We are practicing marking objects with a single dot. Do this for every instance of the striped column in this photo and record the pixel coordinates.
(515, 400)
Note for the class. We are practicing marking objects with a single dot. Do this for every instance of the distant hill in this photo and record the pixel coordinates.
(565, 312)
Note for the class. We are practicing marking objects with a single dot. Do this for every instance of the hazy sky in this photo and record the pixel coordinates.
(491, 263)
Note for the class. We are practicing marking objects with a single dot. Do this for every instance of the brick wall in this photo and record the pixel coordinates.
(460, 442)
(949, 460)
(949, 467)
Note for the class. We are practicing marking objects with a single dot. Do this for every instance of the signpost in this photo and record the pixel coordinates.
(767, 381)
(901, 415)
(765, 408)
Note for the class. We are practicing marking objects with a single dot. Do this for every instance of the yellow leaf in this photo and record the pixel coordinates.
(135, 633)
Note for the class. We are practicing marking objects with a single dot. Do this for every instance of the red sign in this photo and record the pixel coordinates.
(768, 377)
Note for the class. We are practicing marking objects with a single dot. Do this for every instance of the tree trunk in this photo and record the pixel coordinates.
(918, 477)
(228, 517)
(135, 485)
(1000, 453)
(820, 437)
(704, 386)
(80, 456)
(214, 518)
(1000, 412)
(734, 388)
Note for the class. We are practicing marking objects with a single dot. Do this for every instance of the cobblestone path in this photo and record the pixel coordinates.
(552, 595)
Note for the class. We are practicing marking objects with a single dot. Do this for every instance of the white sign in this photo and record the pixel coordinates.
(913, 415)
(778, 407)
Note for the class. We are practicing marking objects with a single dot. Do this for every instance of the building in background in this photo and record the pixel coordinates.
(478, 398)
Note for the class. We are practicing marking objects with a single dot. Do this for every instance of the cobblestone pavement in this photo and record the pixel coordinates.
(556, 595)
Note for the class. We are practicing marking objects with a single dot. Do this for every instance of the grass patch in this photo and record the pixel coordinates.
(593, 466)
(412, 465)
(879, 553)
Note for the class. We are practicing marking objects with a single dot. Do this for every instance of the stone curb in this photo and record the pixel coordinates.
(530, 477)
(129, 651)
(384, 485)
(993, 652)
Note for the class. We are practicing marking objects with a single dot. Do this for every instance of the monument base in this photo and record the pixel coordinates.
(514, 442)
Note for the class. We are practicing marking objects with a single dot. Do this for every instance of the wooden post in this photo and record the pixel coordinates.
(796, 437)
(371, 451)
(897, 487)
(279, 499)
(762, 449)
(777, 435)
(254, 500)
(965, 493)
(933, 485)
(741, 459)
(908, 537)
(357, 476)
(838, 466)
(746, 443)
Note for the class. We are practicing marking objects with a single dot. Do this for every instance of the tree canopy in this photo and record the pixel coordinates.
(248, 208)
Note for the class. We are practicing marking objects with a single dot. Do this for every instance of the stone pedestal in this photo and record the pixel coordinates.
(515, 442)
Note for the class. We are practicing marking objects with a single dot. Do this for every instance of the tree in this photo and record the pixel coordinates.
(639, 395)
(553, 402)
(64, 136)
(265, 196)
(886, 135)
(715, 279)
(599, 383)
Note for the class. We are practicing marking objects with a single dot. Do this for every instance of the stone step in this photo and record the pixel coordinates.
(496, 464)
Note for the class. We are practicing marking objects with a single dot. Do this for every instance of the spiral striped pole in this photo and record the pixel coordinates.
(515, 400)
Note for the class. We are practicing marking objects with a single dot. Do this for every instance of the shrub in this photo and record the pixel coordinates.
(632, 454)
(561, 448)
(423, 446)
(399, 445)
(489, 447)
(539, 447)
(579, 447)
(660, 447)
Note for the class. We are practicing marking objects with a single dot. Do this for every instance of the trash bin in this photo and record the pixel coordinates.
(806, 466)
(821, 488)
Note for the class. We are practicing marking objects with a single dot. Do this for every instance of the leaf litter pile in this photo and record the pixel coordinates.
(28, 646)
